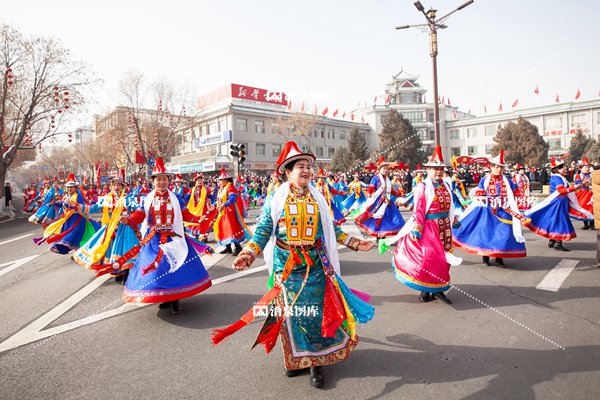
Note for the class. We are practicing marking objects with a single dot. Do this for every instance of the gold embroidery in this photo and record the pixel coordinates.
(301, 218)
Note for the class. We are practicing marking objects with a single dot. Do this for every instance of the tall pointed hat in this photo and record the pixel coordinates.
(436, 160)
(289, 153)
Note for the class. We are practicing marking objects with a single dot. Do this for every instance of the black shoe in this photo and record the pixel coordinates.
(226, 250)
(551, 243)
(441, 296)
(165, 305)
(486, 261)
(290, 373)
(237, 250)
(425, 297)
(316, 377)
(119, 278)
(175, 307)
(500, 262)
(585, 227)
(559, 247)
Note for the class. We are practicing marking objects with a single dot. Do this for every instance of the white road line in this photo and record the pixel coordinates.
(34, 331)
(17, 238)
(555, 278)
(16, 264)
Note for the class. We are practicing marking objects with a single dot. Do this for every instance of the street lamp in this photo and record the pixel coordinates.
(433, 25)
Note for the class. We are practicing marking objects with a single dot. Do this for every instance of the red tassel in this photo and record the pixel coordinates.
(333, 311)
(297, 258)
(218, 335)
(268, 336)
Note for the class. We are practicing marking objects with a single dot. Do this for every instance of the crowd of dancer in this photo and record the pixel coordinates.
(151, 237)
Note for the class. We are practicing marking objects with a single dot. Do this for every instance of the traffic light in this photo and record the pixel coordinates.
(238, 151)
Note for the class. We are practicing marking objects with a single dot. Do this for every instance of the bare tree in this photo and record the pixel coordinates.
(40, 87)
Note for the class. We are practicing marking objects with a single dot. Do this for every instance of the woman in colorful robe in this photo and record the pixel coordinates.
(313, 311)
(356, 198)
(71, 230)
(48, 211)
(491, 225)
(179, 189)
(114, 239)
(584, 195)
(550, 218)
(378, 216)
(328, 192)
(31, 198)
(198, 203)
(230, 228)
(423, 256)
(524, 201)
(168, 267)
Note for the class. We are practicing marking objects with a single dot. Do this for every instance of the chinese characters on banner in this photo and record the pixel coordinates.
(250, 93)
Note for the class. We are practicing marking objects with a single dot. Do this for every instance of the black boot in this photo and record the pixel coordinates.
(238, 249)
(425, 297)
(316, 377)
(586, 225)
(226, 250)
(290, 373)
(559, 246)
(500, 262)
(486, 261)
(551, 243)
(175, 307)
(125, 276)
(164, 306)
(119, 278)
(441, 296)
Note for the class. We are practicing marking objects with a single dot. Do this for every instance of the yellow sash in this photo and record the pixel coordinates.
(56, 225)
(110, 230)
(197, 208)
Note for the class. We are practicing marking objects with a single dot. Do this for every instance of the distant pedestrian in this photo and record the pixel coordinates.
(7, 194)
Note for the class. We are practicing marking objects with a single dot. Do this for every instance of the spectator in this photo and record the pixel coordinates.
(7, 194)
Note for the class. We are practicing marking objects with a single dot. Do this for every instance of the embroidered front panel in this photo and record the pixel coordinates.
(302, 219)
(496, 187)
(162, 212)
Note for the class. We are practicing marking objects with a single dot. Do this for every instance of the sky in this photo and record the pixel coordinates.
(335, 53)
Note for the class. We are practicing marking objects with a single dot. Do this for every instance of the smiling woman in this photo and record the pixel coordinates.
(308, 304)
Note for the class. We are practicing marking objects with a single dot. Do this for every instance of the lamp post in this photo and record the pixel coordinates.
(433, 25)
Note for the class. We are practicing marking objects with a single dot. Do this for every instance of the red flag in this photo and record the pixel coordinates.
(352, 117)
(578, 95)
(442, 100)
(537, 90)
(325, 111)
(362, 119)
(516, 103)
(302, 107)
(500, 108)
(375, 100)
(557, 100)
(289, 107)
(387, 100)
(485, 109)
(344, 116)
(448, 100)
(335, 113)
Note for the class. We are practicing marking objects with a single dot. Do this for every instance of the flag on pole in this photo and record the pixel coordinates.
(578, 95)
(516, 103)
(537, 89)
(344, 115)
(557, 100)
(335, 113)
(289, 106)
(362, 119)
(375, 100)
(448, 100)
(485, 109)
(302, 107)
(500, 107)
(325, 111)
(387, 100)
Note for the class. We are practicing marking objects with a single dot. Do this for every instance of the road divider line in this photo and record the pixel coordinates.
(15, 239)
(556, 277)
(16, 264)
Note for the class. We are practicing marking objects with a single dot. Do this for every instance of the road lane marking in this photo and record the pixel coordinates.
(555, 278)
(15, 239)
(16, 264)
(35, 331)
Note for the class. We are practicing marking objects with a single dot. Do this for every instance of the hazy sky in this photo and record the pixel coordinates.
(334, 52)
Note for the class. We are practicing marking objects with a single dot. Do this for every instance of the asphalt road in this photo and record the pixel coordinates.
(65, 335)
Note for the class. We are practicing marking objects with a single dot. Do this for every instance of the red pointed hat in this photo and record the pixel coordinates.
(436, 160)
(223, 174)
(381, 162)
(120, 177)
(518, 166)
(556, 164)
(47, 180)
(585, 161)
(321, 173)
(178, 178)
(289, 153)
(71, 181)
(159, 168)
(499, 159)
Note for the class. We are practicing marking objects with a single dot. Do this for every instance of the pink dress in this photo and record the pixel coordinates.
(422, 264)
